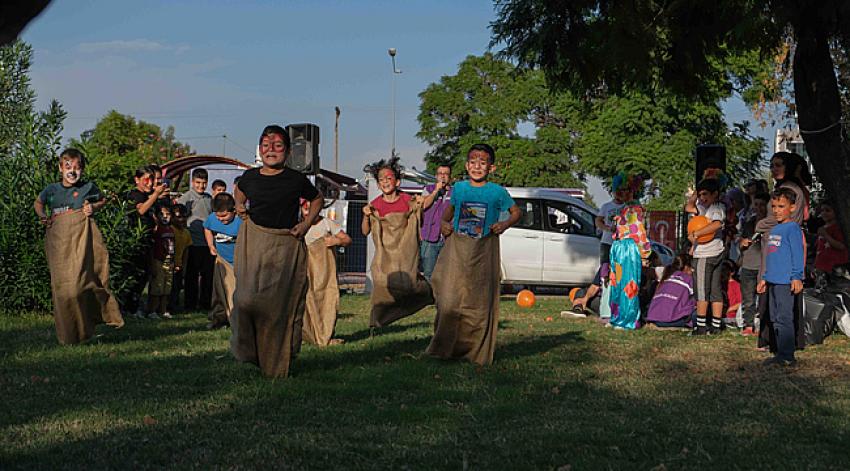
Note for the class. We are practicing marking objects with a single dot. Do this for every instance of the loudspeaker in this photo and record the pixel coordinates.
(304, 154)
(710, 156)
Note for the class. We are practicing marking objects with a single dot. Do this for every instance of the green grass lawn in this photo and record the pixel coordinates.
(562, 394)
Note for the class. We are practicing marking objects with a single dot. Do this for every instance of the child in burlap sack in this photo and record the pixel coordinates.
(220, 229)
(76, 254)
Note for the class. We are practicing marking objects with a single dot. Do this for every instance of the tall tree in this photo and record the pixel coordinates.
(691, 48)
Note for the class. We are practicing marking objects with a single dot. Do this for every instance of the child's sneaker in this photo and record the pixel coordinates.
(779, 362)
(153, 316)
(698, 331)
(714, 330)
(139, 314)
(166, 315)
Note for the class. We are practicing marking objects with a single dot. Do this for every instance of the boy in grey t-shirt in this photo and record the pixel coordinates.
(200, 264)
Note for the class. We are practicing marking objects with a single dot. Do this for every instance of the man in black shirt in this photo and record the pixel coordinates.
(270, 258)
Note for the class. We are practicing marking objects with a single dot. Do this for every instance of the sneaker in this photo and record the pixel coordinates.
(779, 362)
(153, 316)
(714, 330)
(748, 332)
(166, 315)
(698, 331)
(574, 312)
(139, 314)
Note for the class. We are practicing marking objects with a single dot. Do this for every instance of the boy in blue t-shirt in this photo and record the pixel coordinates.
(220, 229)
(783, 274)
(467, 277)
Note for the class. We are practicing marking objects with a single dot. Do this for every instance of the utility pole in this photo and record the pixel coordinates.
(336, 140)
(392, 52)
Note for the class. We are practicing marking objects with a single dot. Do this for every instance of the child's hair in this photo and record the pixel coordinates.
(392, 164)
(762, 196)
(784, 192)
(760, 184)
(72, 153)
(484, 148)
(654, 260)
(200, 173)
(181, 209)
(727, 272)
(160, 208)
(223, 202)
(712, 185)
(682, 261)
(828, 203)
(219, 183)
(142, 171)
(275, 129)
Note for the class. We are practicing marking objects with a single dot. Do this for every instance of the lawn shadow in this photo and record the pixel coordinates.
(537, 344)
(380, 331)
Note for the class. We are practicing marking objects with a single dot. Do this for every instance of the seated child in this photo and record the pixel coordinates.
(220, 229)
(162, 264)
(673, 304)
(76, 254)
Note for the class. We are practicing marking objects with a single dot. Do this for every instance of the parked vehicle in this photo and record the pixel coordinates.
(555, 242)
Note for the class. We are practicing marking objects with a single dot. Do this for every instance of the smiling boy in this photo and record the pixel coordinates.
(199, 268)
(220, 230)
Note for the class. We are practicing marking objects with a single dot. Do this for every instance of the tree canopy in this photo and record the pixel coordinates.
(573, 135)
(692, 49)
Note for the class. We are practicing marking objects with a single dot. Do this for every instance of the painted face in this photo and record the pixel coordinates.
(157, 178)
(387, 181)
(273, 151)
(478, 165)
(145, 182)
(71, 171)
(707, 198)
(760, 206)
(444, 174)
(782, 208)
(225, 216)
(199, 184)
(777, 168)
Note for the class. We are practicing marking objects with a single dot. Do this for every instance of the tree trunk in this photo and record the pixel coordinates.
(819, 115)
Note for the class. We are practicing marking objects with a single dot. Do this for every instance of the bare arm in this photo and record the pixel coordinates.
(340, 239)
(446, 227)
(210, 242)
(240, 202)
(143, 208)
(431, 197)
(39, 209)
(501, 227)
(315, 206)
(366, 224)
(600, 223)
(691, 204)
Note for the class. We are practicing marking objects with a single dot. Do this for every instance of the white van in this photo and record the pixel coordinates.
(554, 243)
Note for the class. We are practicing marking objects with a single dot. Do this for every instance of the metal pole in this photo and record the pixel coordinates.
(392, 52)
(336, 140)
(224, 145)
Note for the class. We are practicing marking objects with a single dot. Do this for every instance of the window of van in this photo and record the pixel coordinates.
(568, 219)
(531, 215)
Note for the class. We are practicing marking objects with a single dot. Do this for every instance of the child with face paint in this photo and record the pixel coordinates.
(76, 254)
(71, 193)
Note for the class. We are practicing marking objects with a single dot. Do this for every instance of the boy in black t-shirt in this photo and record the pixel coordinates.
(270, 258)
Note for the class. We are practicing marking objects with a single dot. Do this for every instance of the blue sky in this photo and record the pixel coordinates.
(231, 67)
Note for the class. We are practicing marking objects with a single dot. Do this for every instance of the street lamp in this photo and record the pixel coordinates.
(392, 52)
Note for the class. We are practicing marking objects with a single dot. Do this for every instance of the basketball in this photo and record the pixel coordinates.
(698, 222)
(525, 298)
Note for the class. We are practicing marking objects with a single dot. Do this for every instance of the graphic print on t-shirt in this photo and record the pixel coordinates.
(471, 219)
(222, 238)
(773, 243)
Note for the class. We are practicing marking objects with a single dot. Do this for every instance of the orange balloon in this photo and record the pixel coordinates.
(525, 298)
(698, 222)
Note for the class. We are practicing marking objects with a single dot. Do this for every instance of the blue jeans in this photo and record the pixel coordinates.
(428, 252)
(782, 315)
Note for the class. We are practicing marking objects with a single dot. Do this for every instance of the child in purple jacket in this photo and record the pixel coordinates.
(673, 304)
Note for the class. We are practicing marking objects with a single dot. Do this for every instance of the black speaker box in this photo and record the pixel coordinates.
(304, 152)
(710, 156)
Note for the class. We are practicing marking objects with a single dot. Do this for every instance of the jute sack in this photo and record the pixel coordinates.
(398, 289)
(271, 284)
(79, 278)
(224, 285)
(466, 282)
(322, 294)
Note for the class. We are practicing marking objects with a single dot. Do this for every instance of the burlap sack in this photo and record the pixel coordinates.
(398, 289)
(322, 294)
(224, 285)
(268, 305)
(79, 278)
(466, 281)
